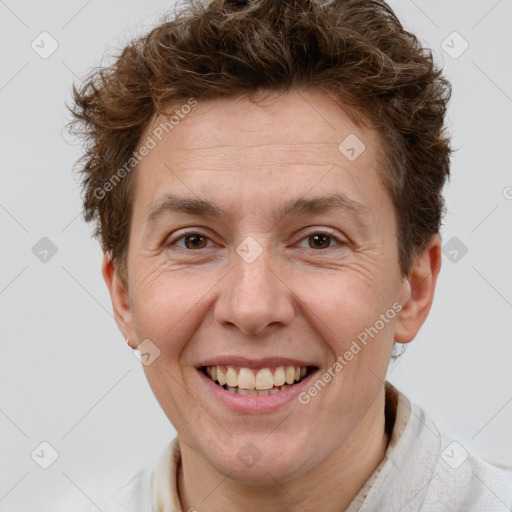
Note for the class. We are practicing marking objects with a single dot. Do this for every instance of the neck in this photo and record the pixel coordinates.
(331, 486)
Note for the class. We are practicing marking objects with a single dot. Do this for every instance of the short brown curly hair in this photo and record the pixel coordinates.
(357, 51)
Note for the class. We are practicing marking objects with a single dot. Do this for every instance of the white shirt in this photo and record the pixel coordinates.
(423, 469)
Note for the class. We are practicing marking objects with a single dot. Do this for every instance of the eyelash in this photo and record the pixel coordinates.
(324, 231)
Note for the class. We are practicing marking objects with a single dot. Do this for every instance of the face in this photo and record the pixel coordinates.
(257, 244)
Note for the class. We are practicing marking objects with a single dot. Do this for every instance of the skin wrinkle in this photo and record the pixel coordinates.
(305, 303)
(356, 233)
(339, 167)
(294, 301)
(171, 203)
(259, 156)
(164, 68)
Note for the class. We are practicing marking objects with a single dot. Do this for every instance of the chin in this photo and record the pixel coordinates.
(262, 461)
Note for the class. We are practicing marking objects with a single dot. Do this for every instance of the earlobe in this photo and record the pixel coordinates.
(418, 290)
(120, 300)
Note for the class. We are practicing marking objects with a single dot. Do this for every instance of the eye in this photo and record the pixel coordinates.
(192, 240)
(322, 239)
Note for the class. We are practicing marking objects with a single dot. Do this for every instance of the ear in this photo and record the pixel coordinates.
(120, 300)
(418, 291)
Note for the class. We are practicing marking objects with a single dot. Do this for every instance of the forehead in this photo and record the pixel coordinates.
(305, 118)
(300, 141)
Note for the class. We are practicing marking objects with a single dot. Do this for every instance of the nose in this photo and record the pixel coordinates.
(253, 297)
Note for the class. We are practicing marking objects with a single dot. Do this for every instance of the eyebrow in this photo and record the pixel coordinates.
(192, 206)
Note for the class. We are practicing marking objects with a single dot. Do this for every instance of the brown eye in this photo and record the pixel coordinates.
(195, 241)
(322, 239)
(189, 241)
(319, 241)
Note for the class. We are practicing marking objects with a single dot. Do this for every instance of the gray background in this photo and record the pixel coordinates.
(67, 376)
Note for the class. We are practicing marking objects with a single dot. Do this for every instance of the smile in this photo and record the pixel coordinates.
(256, 381)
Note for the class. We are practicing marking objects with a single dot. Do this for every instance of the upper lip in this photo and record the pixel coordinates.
(244, 362)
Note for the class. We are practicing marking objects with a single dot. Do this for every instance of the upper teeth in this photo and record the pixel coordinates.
(251, 378)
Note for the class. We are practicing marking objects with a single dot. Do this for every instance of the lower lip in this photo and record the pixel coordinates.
(254, 403)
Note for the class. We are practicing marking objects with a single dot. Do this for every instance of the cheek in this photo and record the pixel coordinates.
(168, 304)
(343, 303)
(166, 382)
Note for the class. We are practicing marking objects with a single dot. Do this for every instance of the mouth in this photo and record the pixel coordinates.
(257, 381)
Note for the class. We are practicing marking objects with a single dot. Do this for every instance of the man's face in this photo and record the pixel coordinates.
(265, 286)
